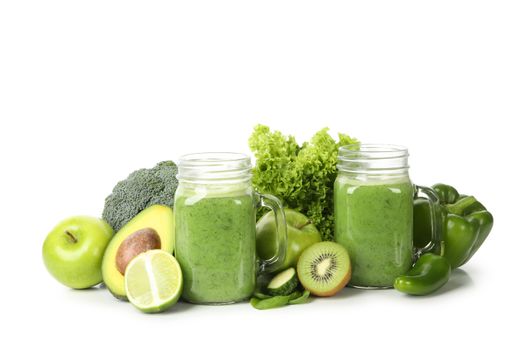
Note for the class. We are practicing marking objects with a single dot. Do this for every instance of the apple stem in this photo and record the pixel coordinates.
(73, 238)
(306, 224)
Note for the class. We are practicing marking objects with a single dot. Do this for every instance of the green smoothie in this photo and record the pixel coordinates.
(215, 246)
(373, 220)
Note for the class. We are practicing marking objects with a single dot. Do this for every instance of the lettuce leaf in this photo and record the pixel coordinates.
(301, 176)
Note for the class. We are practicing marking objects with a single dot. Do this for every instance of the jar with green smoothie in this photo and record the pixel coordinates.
(215, 208)
(373, 198)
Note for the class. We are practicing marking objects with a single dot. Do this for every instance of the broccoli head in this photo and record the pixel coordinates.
(141, 189)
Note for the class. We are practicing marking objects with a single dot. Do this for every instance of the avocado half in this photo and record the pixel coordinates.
(158, 217)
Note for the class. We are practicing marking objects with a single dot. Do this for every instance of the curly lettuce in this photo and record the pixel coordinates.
(301, 176)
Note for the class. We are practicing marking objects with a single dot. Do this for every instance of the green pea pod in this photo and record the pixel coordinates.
(429, 273)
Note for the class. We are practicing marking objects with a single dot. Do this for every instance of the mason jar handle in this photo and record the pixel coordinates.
(435, 243)
(272, 202)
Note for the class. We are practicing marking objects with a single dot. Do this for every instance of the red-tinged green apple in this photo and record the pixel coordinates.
(73, 251)
(301, 234)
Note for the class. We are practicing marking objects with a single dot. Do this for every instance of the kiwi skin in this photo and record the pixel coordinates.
(325, 293)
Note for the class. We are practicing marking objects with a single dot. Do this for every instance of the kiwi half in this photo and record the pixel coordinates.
(324, 268)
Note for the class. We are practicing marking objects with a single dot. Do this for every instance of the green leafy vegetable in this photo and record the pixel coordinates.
(141, 189)
(302, 299)
(269, 303)
(301, 176)
(260, 295)
(294, 295)
(262, 301)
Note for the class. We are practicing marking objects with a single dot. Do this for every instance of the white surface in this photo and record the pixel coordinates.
(92, 90)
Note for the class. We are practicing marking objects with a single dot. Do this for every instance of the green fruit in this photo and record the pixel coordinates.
(73, 251)
(157, 218)
(301, 234)
(139, 242)
(324, 268)
(283, 283)
(153, 281)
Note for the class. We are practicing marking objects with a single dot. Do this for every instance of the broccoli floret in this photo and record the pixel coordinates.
(141, 189)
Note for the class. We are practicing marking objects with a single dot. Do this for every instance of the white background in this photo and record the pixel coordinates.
(90, 90)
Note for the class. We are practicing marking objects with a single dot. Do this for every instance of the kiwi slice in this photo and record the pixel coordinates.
(324, 268)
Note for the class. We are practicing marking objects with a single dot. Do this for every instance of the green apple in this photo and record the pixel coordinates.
(73, 251)
(301, 234)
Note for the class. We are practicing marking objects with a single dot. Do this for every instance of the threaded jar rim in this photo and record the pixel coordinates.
(214, 166)
(380, 159)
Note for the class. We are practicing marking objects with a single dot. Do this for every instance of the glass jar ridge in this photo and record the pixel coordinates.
(214, 167)
(373, 159)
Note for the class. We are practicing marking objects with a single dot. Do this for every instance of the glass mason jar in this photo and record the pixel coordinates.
(373, 198)
(215, 208)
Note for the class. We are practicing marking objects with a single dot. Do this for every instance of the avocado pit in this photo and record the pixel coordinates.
(138, 242)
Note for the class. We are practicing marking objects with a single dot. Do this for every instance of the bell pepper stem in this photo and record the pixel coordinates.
(459, 207)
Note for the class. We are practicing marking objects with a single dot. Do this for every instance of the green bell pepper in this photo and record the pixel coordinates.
(466, 224)
(429, 273)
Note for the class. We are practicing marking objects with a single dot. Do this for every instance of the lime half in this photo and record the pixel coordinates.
(153, 281)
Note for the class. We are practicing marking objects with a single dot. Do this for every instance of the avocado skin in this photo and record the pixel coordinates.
(158, 217)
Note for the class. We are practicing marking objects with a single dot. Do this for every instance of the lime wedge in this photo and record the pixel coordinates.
(153, 281)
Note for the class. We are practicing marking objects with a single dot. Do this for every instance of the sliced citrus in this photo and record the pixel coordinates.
(153, 281)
